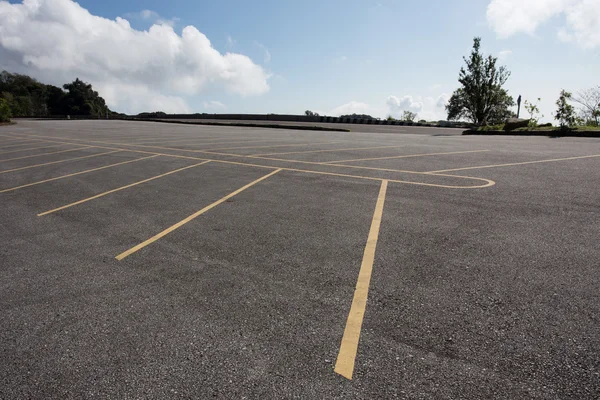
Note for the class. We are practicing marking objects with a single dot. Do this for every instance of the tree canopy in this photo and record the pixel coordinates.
(27, 97)
(481, 98)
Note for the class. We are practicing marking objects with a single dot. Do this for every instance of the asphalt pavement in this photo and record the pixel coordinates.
(149, 260)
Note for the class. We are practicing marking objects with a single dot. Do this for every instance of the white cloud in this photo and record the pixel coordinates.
(58, 40)
(214, 105)
(230, 41)
(397, 105)
(151, 16)
(442, 100)
(504, 54)
(266, 54)
(509, 17)
(340, 59)
(354, 107)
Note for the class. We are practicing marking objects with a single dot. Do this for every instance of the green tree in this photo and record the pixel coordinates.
(311, 113)
(589, 102)
(481, 98)
(565, 113)
(5, 113)
(534, 112)
(408, 116)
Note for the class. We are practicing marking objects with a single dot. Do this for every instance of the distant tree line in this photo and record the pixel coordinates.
(26, 97)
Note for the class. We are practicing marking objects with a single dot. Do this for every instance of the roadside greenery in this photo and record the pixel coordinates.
(5, 113)
(26, 97)
(565, 113)
(481, 98)
(534, 112)
(409, 116)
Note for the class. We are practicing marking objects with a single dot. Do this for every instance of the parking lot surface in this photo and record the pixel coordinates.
(149, 260)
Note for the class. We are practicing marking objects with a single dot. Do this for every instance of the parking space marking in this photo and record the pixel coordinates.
(21, 144)
(119, 189)
(325, 151)
(408, 156)
(46, 154)
(31, 148)
(207, 140)
(276, 145)
(59, 161)
(191, 217)
(487, 182)
(76, 173)
(349, 347)
(513, 164)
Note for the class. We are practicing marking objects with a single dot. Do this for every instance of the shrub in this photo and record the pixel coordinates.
(4, 111)
(565, 114)
(534, 112)
(408, 116)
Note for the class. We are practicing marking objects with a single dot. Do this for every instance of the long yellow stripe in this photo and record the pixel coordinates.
(59, 161)
(21, 144)
(191, 217)
(488, 182)
(408, 156)
(31, 148)
(328, 150)
(513, 164)
(46, 154)
(118, 189)
(277, 145)
(76, 173)
(347, 355)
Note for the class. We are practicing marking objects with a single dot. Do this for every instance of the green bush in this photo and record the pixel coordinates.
(486, 128)
(4, 111)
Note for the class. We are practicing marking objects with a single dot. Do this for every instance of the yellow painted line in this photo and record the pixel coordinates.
(59, 161)
(76, 173)
(191, 217)
(46, 154)
(329, 150)
(487, 182)
(119, 189)
(31, 148)
(20, 144)
(207, 140)
(513, 164)
(349, 347)
(408, 156)
(276, 145)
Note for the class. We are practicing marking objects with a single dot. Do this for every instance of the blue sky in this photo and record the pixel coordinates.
(333, 56)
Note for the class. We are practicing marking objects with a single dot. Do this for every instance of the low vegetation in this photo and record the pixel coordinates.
(5, 112)
(26, 97)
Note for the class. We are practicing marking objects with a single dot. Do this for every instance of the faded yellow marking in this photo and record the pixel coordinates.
(76, 173)
(20, 144)
(46, 154)
(191, 217)
(119, 189)
(325, 151)
(349, 347)
(408, 156)
(206, 140)
(59, 161)
(488, 182)
(277, 145)
(512, 164)
(31, 148)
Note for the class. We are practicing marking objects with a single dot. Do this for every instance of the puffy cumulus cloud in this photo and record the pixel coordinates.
(509, 17)
(214, 105)
(442, 100)
(397, 105)
(354, 107)
(58, 40)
